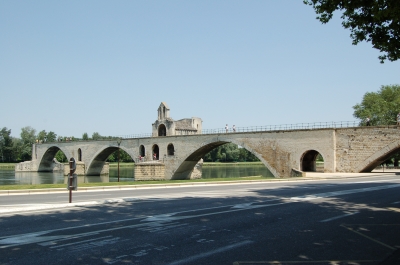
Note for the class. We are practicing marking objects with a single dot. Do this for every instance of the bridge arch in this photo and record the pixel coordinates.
(308, 160)
(185, 168)
(47, 161)
(97, 163)
(379, 157)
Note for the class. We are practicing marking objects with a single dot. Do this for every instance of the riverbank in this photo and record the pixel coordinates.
(7, 166)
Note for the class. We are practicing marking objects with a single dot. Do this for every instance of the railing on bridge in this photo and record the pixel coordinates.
(281, 127)
(296, 126)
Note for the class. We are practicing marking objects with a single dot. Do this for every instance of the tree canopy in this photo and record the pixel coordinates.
(375, 21)
(381, 107)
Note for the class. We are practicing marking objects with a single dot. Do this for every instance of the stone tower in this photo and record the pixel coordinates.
(166, 126)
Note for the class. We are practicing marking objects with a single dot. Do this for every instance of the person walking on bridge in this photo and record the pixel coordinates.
(368, 123)
(226, 128)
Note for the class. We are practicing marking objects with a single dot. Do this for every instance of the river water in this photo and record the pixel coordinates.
(126, 173)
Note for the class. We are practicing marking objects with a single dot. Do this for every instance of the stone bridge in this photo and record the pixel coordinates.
(284, 152)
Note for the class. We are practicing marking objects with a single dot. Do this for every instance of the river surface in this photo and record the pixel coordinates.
(126, 173)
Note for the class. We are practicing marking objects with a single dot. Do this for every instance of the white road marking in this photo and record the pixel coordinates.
(342, 192)
(37, 237)
(82, 195)
(207, 254)
(338, 217)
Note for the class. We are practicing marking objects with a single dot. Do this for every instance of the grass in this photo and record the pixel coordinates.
(213, 164)
(7, 165)
(126, 183)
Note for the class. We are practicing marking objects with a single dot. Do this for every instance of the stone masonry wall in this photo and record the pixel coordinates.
(361, 147)
(150, 171)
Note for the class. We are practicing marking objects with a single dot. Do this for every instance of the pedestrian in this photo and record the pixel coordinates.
(368, 121)
(226, 128)
(398, 119)
(233, 128)
(154, 156)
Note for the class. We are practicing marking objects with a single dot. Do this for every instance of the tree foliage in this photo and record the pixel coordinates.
(5, 145)
(28, 137)
(375, 21)
(381, 107)
(229, 153)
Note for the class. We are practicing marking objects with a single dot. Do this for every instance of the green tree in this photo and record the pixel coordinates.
(96, 136)
(28, 136)
(6, 145)
(229, 153)
(17, 149)
(85, 136)
(60, 156)
(381, 107)
(375, 21)
(51, 136)
(42, 135)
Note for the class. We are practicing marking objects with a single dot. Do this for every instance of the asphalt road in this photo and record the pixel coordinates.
(336, 221)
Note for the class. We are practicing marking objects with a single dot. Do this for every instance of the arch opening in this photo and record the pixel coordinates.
(51, 160)
(108, 155)
(312, 161)
(156, 152)
(142, 151)
(79, 154)
(170, 150)
(225, 152)
(382, 157)
(162, 130)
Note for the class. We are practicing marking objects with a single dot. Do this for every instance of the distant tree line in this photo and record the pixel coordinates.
(13, 149)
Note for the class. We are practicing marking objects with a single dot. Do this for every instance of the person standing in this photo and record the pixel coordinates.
(226, 128)
(368, 121)
(234, 128)
(398, 119)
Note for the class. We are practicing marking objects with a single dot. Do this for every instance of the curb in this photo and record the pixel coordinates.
(169, 185)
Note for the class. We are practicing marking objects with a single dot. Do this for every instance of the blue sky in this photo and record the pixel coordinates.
(104, 66)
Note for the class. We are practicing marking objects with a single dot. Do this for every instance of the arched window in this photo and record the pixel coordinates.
(170, 150)
(79, 154)
(162, 131)
(142, 151)
(156, 152)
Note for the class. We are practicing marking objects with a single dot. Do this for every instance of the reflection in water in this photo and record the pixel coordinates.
(10, 177)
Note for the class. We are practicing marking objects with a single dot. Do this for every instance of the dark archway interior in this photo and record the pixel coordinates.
(309, 161)
(162, 131)
(46, 165)
(79, 154)
(170, 150)
(186, 168)
(142, 151)
(156, 151)
(98, 162)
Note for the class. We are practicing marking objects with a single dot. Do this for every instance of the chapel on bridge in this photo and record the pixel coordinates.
(166, 126)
